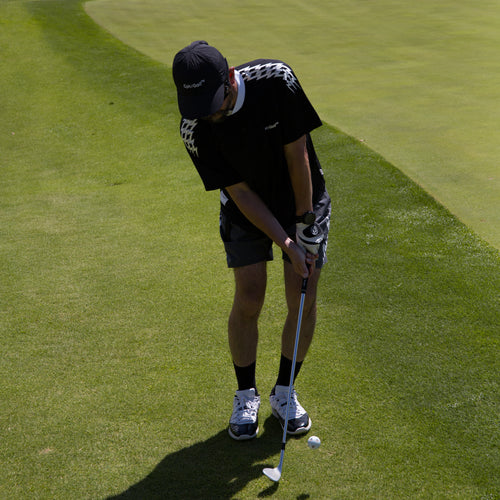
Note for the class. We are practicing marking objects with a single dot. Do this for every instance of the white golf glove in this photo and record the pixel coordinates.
(309, 237)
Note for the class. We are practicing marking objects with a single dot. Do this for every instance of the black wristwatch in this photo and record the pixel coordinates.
(307, 218)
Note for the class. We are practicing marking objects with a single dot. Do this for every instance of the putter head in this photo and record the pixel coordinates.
(272, 474)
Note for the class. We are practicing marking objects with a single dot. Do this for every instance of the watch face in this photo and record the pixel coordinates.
(309, 218)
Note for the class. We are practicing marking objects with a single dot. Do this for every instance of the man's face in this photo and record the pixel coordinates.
(230, 94)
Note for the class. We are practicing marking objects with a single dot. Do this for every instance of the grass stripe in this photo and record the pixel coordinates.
(417, 82)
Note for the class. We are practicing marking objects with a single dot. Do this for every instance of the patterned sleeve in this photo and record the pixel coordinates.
(214, 171)
(299, 117)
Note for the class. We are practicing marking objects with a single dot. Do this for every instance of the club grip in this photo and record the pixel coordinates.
(304, 285)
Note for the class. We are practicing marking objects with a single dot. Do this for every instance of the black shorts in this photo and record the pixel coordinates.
(248, 246)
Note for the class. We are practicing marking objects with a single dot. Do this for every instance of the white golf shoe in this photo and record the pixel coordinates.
(244, 422)
(298, 419)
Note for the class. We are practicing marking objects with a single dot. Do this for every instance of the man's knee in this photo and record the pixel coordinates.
(250, 282)
(308, 310)
(249, 299)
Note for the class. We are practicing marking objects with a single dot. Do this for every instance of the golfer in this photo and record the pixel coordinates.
(246, 129)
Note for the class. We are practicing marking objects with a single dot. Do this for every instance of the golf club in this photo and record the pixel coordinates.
(275, 474)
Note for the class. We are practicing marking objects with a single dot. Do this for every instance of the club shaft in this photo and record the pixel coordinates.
(292, 372)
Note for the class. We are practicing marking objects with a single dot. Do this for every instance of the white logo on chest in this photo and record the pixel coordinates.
(270, 127)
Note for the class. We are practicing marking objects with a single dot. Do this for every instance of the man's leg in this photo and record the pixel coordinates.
(293, 283)
(250, 289)
(299, 421)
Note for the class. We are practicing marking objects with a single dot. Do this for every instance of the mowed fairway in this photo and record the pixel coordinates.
(417, 81)
(115, 375)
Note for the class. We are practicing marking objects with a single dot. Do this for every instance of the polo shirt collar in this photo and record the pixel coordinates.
(241, 92)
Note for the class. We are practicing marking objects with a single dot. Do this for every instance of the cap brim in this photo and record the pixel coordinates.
(200, 106)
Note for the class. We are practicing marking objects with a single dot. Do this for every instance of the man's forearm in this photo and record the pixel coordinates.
(257, 212)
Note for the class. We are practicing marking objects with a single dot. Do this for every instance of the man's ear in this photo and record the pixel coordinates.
(231, 74)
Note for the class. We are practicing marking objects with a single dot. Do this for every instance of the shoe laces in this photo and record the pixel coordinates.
(247, 408)
(296, 409)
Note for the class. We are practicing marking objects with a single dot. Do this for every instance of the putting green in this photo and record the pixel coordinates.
(417, 82)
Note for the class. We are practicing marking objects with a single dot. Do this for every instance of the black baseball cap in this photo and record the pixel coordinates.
(200, 72)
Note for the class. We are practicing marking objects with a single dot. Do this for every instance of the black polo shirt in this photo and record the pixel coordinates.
(248, 145)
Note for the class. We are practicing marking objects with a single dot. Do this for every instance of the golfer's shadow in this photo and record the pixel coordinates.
(217, 468)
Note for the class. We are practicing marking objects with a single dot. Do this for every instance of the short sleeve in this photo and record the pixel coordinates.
(299, 116)
(214, 170)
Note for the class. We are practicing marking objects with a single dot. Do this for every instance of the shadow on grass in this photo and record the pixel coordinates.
(216, 468)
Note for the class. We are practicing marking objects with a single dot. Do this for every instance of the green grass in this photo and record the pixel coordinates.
(114, 296)
(417, 81)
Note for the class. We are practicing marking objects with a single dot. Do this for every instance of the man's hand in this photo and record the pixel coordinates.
(309, 237)
(301, 260)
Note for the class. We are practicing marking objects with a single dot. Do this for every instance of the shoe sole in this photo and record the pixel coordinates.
(243, 437)
(300, 430)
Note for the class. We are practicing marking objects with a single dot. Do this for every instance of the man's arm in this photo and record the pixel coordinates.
(300, 174)
(257, 212)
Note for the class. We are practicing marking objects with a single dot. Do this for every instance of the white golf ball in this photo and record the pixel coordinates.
(314, 442)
